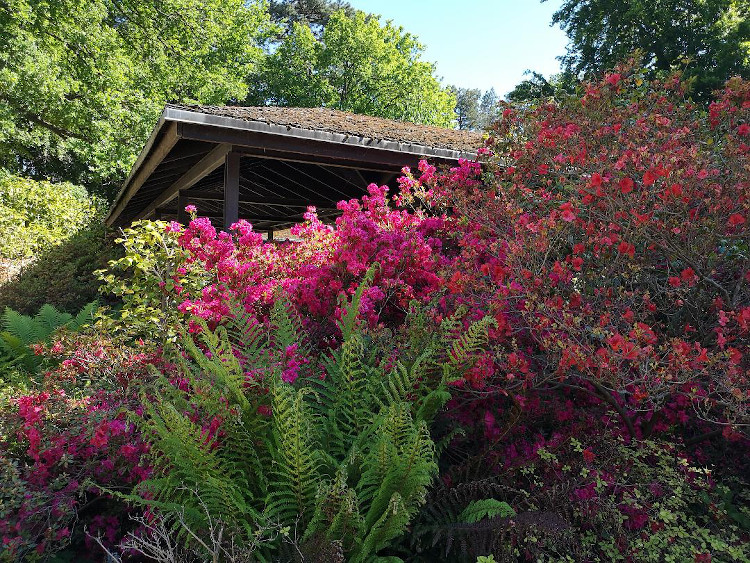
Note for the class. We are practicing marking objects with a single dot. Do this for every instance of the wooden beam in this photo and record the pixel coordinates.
(182, 216)
(167, 143)
(328, 185)
(231, 189)
(302, 149)
(192, 197)
(320, 160)
(202, 168)
(386, 178)
(279, 219)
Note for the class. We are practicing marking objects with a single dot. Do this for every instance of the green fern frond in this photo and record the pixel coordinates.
(295, 468)
(48, 319)
(350, 308)
(486, 508)
(84, 317)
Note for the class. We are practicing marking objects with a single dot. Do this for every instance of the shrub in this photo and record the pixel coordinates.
(597, 500)
(257, 429)
(37, 215)
(21, 332)
(65, 437)
(609, 235)
(62, 276)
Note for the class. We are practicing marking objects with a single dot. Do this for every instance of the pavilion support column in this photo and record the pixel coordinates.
(182, 216)
(231, 189)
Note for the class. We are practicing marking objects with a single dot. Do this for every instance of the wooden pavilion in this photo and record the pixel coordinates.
(267, 164)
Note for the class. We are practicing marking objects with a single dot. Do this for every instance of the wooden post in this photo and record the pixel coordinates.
(269, 238)
(182, 216)
(231, 189)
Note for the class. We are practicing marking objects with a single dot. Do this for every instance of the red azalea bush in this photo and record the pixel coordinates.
(65, 441)
(610, 234)
(608, 238)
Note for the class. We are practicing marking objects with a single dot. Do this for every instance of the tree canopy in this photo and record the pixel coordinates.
(710, 38)
(358, 65)
(474, 109)
(81, 83)
(537, 87)
(313, 13)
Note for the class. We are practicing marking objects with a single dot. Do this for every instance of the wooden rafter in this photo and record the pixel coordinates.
(203, 168)
(168, 141)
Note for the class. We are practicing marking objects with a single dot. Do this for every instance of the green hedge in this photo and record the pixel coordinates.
(53, 234)
(37, 215)
(63, 276)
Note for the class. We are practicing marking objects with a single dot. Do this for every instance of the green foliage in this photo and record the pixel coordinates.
(19, 332)
(475, 110)
(711, 36)
(82, 82)
(687, 512)
(486, 508)
(646, 504)
(35, 216)
(342, 454)
(62, 276)
(467, 107)
(144, 279)
(356, 65)
(539, 88)
(313, 13)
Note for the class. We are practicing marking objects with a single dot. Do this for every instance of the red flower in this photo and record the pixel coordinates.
(688, 275)
(596, 180)
(743, 130)
(613, 79)
(567, 212)
(735, 220)
(649, 178)
(674, 281)
(626, 185)
(626, 248)
(588, 455)
(577, 263)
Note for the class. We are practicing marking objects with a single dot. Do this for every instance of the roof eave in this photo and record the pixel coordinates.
(256, 126)
(139, 162)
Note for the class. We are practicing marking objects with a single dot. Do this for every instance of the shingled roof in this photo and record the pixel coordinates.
(345, 123)
(266, 164)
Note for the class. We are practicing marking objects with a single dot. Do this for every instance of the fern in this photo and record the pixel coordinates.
(486, 508)
(295, 468)
(346, 457)
(20, 332)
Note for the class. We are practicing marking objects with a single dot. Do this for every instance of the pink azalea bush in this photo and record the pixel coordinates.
(606, 236)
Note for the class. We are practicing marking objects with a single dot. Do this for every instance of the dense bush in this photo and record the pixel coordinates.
(597, 251)
(37, 215)
(51, 240)
(62, 276)
(64, 439)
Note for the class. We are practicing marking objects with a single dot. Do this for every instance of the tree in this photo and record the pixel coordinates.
(82, 83)
(538, 87)
(356, 65)
(467, 107)
(711, 36)
(312, 13)
(488, 108)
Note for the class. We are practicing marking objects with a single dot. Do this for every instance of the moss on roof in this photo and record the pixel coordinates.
(335, 121)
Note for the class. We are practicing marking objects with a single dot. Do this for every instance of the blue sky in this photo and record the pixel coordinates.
(479, 43)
